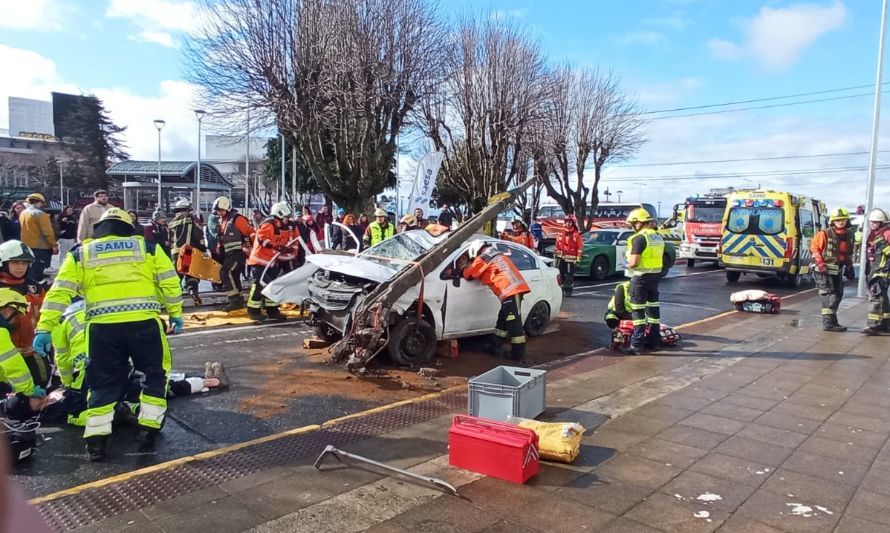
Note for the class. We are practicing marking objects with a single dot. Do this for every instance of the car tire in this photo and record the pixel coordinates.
(537, 319)
(666, 265)
(412, 341)
(326, 333)
(733, 276)
(690, 263)
(599, 268)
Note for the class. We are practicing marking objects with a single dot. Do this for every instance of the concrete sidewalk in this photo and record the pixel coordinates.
(759, 423)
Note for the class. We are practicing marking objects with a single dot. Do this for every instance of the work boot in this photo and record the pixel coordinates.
(219, 372)
(567, 292)
(256, 314)
(147, 438)
(829, 323)
(124, 413)
(274, 313)
(630, 350)
(870, 331)
(96, 448)
(236, 302)
(208, 369)
(885, 326)
(195, 296)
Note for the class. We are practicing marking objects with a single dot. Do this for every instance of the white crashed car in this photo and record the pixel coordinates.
(331, 286)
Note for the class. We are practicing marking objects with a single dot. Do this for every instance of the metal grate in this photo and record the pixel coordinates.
(93, 505)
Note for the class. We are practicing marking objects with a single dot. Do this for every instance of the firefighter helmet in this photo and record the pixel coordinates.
(380, 212)
(9, 297)
(839, 213)
(878, 215)
(639, 215)
(35, 197)
(280, 210)
(222, 203)
(182, 204)
(409, 220)
(116, 213)
(14, 250)
(476, 247)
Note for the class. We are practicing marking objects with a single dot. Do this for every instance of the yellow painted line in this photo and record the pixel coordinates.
(387, 407)
(727, 313)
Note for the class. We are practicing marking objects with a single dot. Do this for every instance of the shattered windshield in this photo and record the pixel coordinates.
(401, 248)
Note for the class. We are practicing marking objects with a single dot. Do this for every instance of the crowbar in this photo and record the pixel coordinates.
(341, 455)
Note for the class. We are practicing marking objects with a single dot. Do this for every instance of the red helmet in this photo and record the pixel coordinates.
(572, 219)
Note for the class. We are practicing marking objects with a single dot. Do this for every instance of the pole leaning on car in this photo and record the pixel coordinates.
(368, 331)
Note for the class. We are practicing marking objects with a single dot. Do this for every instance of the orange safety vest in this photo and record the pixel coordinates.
(268, 236)
(495, 270)
(523, 238)
(569, 245)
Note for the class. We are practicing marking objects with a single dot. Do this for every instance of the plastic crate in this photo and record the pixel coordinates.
(507, 391)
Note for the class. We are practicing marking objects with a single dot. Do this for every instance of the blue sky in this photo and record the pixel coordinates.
(670, 53)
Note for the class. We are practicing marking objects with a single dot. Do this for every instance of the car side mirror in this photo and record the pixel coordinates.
(455, 281)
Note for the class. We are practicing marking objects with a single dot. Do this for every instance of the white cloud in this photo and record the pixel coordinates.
(158, 37)
(158, 20)
(42, 15)
(35, 77)
(776, 37)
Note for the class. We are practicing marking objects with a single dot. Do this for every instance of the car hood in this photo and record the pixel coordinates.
(293, 287)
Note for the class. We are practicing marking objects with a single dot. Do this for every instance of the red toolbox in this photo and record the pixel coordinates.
(496, 449)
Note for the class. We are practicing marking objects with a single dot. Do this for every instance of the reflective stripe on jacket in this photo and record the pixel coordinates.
(13, 369)
(651, 261)
(377, 234)
(569, 245)
(832, 249)
(495, 270)
(69, 343)
(234, 233)
(268, 236)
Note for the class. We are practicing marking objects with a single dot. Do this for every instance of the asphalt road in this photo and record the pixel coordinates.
(277, 386)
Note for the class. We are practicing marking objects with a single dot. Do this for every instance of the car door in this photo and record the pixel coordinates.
(468, 306)
(530, 268)
(620, 251)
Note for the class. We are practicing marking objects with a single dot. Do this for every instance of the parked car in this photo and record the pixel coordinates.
(330, 287)
(604, 254)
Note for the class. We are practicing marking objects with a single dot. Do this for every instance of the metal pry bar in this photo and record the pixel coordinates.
(341, 455)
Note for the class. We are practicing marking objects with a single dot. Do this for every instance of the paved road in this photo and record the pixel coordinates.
(278, 387)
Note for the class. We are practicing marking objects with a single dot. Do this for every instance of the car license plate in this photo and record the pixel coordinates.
(767, 261)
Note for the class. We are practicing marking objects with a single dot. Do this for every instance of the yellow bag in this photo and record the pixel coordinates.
(557, 441)
(204, 268)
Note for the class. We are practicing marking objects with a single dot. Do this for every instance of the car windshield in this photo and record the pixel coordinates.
(401, 248)
(599, 237)
(700, 213)
(756, 220)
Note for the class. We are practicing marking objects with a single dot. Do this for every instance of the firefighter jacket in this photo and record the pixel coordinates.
(523, 238)
(651, 260)
(269, 236)
(619, 305)
(24, 324)
(13, 369)
(121, 279)
(234, 234)
(495, 270)
(569, 245)
(833, 249)
(878, 252)
(377, 233)
(69, 343)
(184, 231)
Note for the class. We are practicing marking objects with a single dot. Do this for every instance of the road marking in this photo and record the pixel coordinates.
(610, 283)
(297, 431)
(234, 328)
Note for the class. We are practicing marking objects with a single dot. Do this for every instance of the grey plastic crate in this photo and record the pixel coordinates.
(508, 390)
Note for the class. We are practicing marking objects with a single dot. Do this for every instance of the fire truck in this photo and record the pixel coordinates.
(702, 226)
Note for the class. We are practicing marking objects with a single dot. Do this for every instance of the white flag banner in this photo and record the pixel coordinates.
(422, 190)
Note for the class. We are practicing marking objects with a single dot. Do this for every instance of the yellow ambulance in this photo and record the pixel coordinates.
(768, 233)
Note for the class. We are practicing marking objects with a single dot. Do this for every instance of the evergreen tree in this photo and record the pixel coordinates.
(94, 138)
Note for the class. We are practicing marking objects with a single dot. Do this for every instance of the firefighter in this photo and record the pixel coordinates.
(569, 248)
(15, 376)
(878, 251)
(125, 283)
(379, 230)
(233, 245)
(520, 234)
(269, 243)
(495, 270)
(186, 237)
(619, 306)
(409, 223)
(645, 250)
(832, 250)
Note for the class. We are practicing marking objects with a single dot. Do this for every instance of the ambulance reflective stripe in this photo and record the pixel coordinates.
(122, 305)
(765, 245)
(98, 420)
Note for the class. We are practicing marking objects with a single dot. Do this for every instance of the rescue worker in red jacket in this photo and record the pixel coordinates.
(233, 245)
(569, 247)
(269, 244)
(878, 254)
(832, 250)
(495, 270)
(520, 234)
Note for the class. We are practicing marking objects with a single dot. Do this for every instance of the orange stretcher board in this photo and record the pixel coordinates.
(204, 268)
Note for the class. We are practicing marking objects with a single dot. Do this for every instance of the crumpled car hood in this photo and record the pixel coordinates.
(293, 287)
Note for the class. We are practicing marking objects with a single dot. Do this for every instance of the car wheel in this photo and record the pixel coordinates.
(327, 333)
(599, 268)
(412, 341)
(666, 265)
(537, 319)
(690, 263)
(733, 276)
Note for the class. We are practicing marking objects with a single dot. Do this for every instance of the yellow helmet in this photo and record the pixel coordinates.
(222, 203)
(839, 213)
(116, 213)
(35, 197)
(639, 215)
(9, 297)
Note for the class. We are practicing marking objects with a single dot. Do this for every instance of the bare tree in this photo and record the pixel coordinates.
(338, 76)
(590, 122)
(497, 80)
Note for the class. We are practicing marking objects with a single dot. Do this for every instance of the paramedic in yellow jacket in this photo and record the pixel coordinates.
(125, 283)
(14, 371)
(69, 344)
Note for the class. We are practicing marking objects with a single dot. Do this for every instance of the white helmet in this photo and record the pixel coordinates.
(878, 215)
(476, 247)
(13, 250)
(222, 203)
(182, 203)
(280, 210)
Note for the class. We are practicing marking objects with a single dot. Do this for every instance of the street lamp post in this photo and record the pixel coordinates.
(619, 193)
(159, 124)
(61, 186)
(641, 184)
(199, 113)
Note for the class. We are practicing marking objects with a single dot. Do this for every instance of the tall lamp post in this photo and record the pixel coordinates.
(199, 113)
(61, 186)
(159, 124)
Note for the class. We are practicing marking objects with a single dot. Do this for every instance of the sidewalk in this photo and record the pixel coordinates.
(760, 423)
